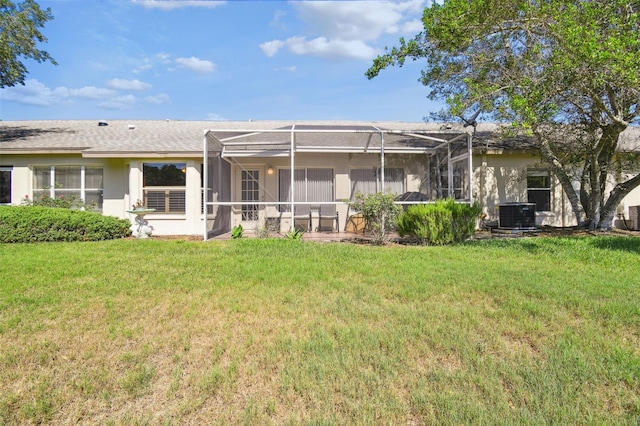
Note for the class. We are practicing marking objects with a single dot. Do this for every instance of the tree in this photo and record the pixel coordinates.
(19, 35)
(565, 72)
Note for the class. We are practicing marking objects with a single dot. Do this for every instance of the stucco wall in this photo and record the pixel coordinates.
(497, 178)
(502, 178)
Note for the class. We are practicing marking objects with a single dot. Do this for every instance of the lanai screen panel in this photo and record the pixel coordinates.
(446, 154)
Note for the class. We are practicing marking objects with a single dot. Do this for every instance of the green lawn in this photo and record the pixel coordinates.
(273, 331)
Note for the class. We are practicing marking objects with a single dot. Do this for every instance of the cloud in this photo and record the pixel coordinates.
(177, 4)
(212, 116)
(159, 99)
(119, 102)
(347, 29)
(36, 93)
(271, 48)
(120, 84)
(288, 69)
(331, 49)
(196, 64)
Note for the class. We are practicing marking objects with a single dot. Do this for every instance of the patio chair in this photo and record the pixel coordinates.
(328, 214)
(302, 214)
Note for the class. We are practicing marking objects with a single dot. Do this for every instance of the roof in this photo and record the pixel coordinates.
(122, 138)
(127, 138)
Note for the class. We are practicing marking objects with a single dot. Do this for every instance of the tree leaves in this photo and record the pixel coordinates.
(19, 36)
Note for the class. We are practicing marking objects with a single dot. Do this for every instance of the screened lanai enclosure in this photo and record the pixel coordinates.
(302, 176)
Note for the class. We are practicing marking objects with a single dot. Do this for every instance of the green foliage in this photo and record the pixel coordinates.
(379, 212)
(19, 34)
(25, 224)
(62, 202)
(296, 234)
(237, 232)
(566, 74)
(443, 222)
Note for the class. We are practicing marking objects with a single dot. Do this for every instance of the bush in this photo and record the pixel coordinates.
(25, 224)
(379, 212)
(443, 222)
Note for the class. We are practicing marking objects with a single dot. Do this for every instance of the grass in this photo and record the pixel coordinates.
(514, 331)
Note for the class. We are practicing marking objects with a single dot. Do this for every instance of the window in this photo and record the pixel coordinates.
(311, 185)
(164, 187)
(84, 182)
(367, 181)
(539, 189)
(5, 184)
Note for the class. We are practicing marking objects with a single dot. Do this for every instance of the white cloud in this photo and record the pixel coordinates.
(36, 93)
(177, 4)
(413, 27)
(196, 64)
(159, 99)
(270, 48)
(212, 116)
(120, 84)
(336, 48)
(119, 102)
(347, 29)
(288, 69)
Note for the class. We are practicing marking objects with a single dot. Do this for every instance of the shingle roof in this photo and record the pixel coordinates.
(124, 137)
(180, 137)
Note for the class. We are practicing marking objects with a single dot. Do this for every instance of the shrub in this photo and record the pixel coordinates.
(237, 232)
(443, 222)
(27, 224)
(379, 212)
(62, 202)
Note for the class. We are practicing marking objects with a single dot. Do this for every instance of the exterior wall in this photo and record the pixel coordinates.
(502, 178)
(113, 175)
(122, 187)
(415, 177)
(497, 178)
(189, 223)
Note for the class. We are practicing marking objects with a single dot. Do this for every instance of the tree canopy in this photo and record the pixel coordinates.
(565, 72)
(19, 37)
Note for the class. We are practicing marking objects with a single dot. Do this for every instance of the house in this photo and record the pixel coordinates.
(270, 173)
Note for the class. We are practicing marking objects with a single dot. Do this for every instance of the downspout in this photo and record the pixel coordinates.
(382, 161)
(449, 171)
(292, 186)
(470, 151)
(205, 177)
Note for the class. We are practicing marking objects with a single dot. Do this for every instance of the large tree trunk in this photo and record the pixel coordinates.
(565, 181)
(615, 197)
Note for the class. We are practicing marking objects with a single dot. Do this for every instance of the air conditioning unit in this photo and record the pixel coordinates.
(517, 215)
(634, 218)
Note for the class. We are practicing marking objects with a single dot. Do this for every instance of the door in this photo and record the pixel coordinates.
(250, 195)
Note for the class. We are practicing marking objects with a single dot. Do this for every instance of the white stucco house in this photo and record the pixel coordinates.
(259, 172)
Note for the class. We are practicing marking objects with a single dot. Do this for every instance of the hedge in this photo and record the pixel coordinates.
(443, 222)
(29, 224)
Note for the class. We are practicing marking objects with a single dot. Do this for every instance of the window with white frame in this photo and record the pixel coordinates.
(164, 187)
(5, 184)
(310, 185)
(368, 181)
(539, 189)
(83, 182)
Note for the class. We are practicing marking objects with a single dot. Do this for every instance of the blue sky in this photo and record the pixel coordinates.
(233, 60)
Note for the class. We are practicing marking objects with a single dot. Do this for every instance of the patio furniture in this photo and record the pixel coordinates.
(302, 214)
(328, 219)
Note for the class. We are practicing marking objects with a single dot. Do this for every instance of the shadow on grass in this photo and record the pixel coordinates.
(627, 244)
(535, 245)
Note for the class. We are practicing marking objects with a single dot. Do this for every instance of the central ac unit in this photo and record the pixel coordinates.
(517, 215)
